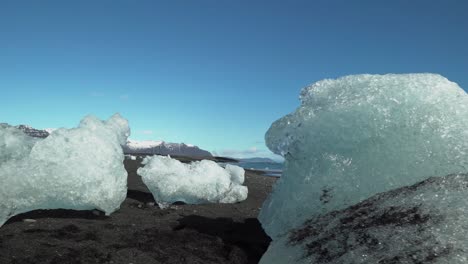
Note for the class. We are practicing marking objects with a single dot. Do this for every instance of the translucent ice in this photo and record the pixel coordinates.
(80, 168)
(204, 181)
(423, 223)
(357, 136)
(14, 144)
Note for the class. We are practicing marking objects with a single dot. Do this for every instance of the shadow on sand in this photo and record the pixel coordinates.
(57, 213)
(143, 197)
(247, 235)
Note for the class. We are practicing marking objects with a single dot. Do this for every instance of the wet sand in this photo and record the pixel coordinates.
(140, 232)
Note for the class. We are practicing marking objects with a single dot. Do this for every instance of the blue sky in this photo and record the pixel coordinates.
(211, 73)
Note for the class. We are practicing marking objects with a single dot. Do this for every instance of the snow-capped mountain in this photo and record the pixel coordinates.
(134, 146)
(164, 148)
(30, 131)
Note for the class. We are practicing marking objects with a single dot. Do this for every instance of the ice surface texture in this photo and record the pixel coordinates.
(357, 136)
(423, 223)
(170, 181)
(80, 168)
(14, 144)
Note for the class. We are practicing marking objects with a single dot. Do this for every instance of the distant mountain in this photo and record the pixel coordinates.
(164, 148)
(133, 146)
(258, 160)
(30, 131)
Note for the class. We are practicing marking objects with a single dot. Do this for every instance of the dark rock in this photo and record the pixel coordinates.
(422, 223)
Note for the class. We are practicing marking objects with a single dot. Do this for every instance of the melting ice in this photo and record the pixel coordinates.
(170, 181)
(80, 168)
(361, 135)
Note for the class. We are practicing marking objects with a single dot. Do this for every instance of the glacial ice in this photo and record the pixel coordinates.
(80, 168)
(14, 144)
(360, 135)
(170, 180)
(422, 223)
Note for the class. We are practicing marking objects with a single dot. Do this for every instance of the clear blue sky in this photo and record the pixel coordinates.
(211, 73)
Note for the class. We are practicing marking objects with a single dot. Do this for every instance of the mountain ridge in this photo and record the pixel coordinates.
(164, 148)
(134, 146)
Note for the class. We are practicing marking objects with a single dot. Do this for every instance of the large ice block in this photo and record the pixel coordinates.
(80, 168)
(360, 135)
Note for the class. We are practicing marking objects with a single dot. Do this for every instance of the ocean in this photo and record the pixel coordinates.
(270, 168)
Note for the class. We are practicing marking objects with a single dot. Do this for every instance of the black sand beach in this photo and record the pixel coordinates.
(140, 232)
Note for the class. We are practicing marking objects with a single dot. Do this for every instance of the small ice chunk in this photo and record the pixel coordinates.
(170, 180)
(80, 168)
(131, 157)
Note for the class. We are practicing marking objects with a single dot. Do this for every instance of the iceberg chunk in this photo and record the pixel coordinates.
(360, 135)
(14, 144)
(170, 180)
(80, 168)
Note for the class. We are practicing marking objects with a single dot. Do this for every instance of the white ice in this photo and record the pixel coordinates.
(360, 135)
(80, 168)
(170, 180)
(14, 144)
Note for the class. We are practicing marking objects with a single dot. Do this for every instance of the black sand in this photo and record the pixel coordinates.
(140, 232)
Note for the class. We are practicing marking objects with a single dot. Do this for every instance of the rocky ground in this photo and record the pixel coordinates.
(140, 232)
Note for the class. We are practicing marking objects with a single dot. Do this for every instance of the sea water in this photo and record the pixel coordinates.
(274, 169)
